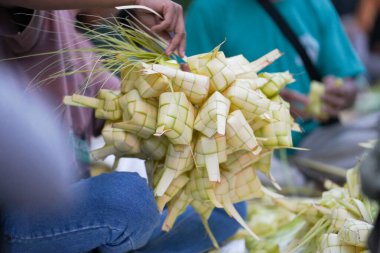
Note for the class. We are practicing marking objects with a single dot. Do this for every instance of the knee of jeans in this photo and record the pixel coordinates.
(127, 200)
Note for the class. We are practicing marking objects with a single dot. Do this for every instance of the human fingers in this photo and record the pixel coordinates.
(185, 67)
(182, 46)
(169, 13)
(330, 112)
(334, 101)
(179, 39)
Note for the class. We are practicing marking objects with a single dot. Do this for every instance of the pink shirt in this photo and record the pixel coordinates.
(50, 31)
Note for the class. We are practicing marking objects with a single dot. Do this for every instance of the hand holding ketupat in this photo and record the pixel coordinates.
(325, 101)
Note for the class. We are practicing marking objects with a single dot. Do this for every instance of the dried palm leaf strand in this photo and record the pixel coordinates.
(118, 143)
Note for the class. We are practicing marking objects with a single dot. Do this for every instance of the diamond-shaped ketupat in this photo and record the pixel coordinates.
(175, 118)
(200, 187)
(355, 232)
(139, 115)
(118, 143)
(315, 106)
(155, 147)
(233, 188)
(176, 163)
(275, 82)
(243, 185)
(196, 87)
(212, 116)
(241, 67)
(240, 160)
(215, 66)
(331, 243)
(277, 133)
(151, 84)
(108, 104)
(221, 74)
(209, 153)
(252, 103)
(239, 134)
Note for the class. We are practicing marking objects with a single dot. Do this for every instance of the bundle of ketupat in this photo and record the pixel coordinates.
(204, 134)
(340, 221)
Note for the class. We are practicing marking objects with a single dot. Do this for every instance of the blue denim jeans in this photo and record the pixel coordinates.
(112, 213)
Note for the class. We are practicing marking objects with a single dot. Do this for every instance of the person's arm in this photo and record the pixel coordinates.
(335, 99)
(172, 21)
(366, 14)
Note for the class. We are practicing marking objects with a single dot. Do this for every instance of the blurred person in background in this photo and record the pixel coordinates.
(368, 19)
(28, 136)
(361, 21)
(113, 212)
(251, 29)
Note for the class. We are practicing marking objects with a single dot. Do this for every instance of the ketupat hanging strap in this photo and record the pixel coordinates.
(288, 32)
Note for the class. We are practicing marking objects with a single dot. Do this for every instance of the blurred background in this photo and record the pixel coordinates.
(362, 23)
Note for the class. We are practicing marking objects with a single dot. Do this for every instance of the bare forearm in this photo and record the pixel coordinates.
(67, 4)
